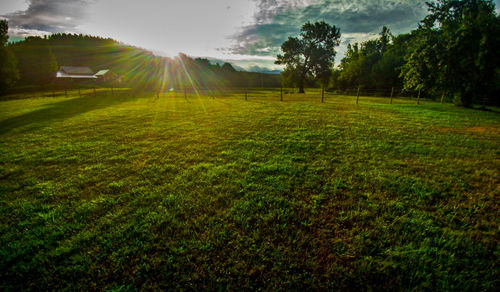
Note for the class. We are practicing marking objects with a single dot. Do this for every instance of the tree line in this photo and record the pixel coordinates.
(34, 62)
(453, 53)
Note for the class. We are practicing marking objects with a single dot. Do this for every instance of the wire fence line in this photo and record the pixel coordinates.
(260, 93)
(290, 94)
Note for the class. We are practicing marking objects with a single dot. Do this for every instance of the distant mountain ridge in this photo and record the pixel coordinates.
(257, 69)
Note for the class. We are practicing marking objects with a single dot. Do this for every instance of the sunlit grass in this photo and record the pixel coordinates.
(132, 191)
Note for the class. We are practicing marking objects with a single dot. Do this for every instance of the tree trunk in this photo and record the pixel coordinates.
(466, 97)
(301, 86)
(303, 74)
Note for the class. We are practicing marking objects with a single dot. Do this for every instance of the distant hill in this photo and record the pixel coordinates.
(39, 58)
(257, 69)
(263, 70)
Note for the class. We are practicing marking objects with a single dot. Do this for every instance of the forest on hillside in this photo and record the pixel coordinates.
(39, 58)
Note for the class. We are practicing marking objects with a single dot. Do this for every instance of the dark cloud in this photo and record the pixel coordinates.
(263, 39)
(268, 9)
(276, 20)
(49, 16)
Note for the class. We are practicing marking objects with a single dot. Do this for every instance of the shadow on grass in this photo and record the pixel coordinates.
(63, 110)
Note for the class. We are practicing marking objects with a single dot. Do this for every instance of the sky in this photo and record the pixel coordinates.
(247, 33)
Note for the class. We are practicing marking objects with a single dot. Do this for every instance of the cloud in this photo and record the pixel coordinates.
(47, 16)
(9, 6)
(231, 29)
(195, 27)
(23, 32)
(268, 9)
(262, 39)
(276, 20)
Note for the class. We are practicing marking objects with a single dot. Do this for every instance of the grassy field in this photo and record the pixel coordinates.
(129, 191)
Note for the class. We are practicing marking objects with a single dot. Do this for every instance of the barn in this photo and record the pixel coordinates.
(73, 72)
(83, 77)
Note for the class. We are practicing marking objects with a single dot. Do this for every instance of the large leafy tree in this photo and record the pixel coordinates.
(312, 54)
(352, 67)
(8, 64)
(422, 68)
(458, 46)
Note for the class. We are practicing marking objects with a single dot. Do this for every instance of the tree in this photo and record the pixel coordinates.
(334, 82)
(351, 67)
(37, 63)
(387, 70)
(228, 69)
(369, 64)
(421, 70)
(4, 28)
(469, 33)
(385, 39)
(231, 75)
(8, 64)
(312, 54)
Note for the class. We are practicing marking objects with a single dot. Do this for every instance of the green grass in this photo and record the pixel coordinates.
(130, 192)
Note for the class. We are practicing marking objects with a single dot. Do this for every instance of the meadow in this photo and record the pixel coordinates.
(130, 191)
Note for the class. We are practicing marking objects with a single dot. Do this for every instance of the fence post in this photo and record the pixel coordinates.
(418, 97)
(322, 94)
(392, 93)
(357, 97)
(95, 92)
(442, 97)
(281, 93)
(112, 92)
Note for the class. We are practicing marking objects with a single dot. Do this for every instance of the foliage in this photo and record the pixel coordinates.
(4, 28)
(8, 63)
(386, 70)
(136, 67)
(453, 52)
(421, 70)
(134, 192)
(374, 63)
(458, 48)
(311, 55)
(37, 64)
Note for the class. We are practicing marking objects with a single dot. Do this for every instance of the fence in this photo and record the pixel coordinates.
(292, 94)
(281, 94)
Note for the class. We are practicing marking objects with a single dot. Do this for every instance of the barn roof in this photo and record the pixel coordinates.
(76, 70)
(102, 72)
(62, 74)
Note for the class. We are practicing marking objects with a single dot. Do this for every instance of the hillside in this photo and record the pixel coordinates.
(39, 58)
